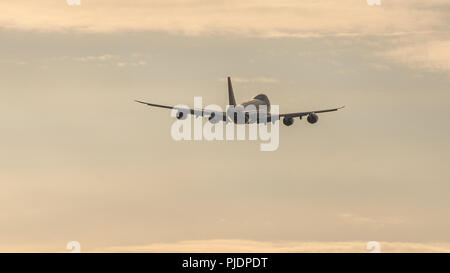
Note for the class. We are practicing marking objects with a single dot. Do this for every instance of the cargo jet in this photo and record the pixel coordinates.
(255, 110)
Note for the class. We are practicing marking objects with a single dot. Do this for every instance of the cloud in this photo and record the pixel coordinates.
(357, 219)
(364, 220)
(379, 66)
(107, 59)
(431, 55)
(253, 80)
(252, 18)
(249, 246)
(133, 60)
(101, 58)
(280, 18)
(15, 62)
(245, 246)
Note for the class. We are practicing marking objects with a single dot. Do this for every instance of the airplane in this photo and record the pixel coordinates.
(239, 114)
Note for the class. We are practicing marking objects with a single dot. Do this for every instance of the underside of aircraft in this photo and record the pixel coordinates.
(255, 110)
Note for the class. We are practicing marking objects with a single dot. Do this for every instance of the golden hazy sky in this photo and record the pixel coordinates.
(81, 161)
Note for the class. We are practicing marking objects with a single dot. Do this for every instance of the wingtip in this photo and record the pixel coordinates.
(138, 101)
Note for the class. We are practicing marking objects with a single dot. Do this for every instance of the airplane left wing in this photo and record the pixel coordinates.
(197, 112)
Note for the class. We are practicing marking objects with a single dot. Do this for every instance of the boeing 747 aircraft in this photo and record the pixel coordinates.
(254, 110)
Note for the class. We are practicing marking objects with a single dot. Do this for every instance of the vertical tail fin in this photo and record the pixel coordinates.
(231, 99)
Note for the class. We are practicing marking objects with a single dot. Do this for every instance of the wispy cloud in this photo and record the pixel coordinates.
(253, 18)
(264, 246)
(431, 55)
(134, 59)
(245, 246)
(266, 18)
(253, 79)
(101, 58)
(15, 62)
(373, 221)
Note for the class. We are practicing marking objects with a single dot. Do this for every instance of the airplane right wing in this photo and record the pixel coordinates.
(301, 114)
(288, 118)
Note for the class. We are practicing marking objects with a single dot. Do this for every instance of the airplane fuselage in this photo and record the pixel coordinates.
(258, 101)
(249, 110)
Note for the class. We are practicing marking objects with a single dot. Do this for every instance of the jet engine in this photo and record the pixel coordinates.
(288, 121)
(313, 118)
(213, 119)
(181, 115)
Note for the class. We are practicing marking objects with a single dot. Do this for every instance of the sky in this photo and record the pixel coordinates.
(81, 161)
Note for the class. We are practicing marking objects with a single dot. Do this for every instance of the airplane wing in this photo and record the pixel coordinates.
(197, 112)
(301, 114)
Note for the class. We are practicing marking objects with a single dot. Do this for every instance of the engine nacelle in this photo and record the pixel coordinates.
(181, 115)
(313, 118)
(288, 121)
(213, 119)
